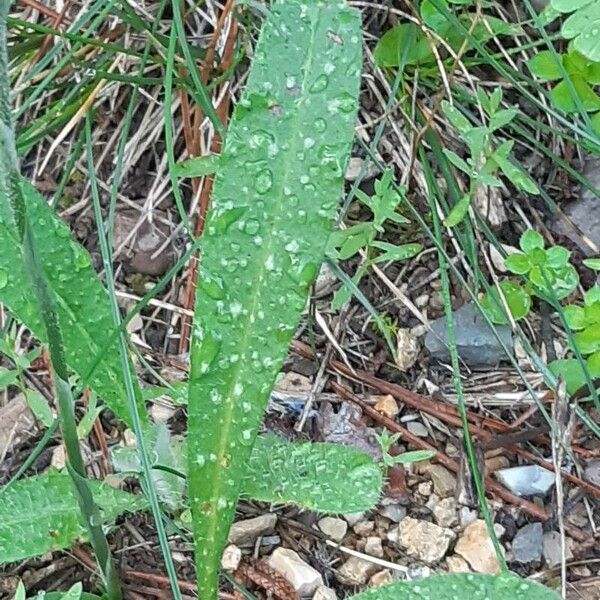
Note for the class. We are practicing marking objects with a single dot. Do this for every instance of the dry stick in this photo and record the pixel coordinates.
(491, 485)
(446, 413)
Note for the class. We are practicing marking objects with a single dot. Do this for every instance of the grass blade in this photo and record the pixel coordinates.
(278, 181)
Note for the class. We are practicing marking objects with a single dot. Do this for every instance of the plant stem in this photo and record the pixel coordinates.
(11, 187)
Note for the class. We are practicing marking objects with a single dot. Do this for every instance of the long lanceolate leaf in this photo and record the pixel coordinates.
(82, 302)
(277, 187)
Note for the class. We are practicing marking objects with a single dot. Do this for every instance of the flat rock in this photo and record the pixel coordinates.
(424, 540)
(584, 212)
(381, 578)
(444, 482)
(373, 546)
(303, 578)
(356, 571)
(475, 339)
(16, 419)
(386, 405)
(527, 544)
(393, 511)
(333, 527)
(407, 349)
(552, 549)
(592, 472)
(324, 593)
(246, 531)
(457, 564)
(445, 512)
(476, 547)
(232, 556)
(526, 480)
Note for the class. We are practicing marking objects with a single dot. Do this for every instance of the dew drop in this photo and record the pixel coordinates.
(320, 84)
(264, 181)
(320, 125)
(252, 226)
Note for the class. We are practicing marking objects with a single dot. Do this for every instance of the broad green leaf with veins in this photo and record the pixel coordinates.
(276, 192)
(83, 303)
(41, 513)
(461, 587)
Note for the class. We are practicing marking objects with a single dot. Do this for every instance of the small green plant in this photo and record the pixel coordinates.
(406, 45)
(278, 181)
(547, 273)
(485, 160)
(386, 441)
(585, 322)
(584, 75)
(582, 26)
(74, 593)
(346, 243)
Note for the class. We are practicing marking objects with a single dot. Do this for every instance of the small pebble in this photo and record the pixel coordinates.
(232, 556)
(373, 547)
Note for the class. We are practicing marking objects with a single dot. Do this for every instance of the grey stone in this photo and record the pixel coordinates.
(246, 531)
(552, 549)
(356, 571)
(392, 510)
(584, 212)
(373, 547)
(527, 480)
(592, 472)
(528, 543)
(475, 339)
(324, 593)
(333, 527)
(304, 579)
(424, 540)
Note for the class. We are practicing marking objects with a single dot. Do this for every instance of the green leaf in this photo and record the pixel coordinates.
(458, 211)
(314, 476)
(545, 65)
(8, 377)
(82, 302)
(557, 257)
(407, 458)
(583, 26)
(592, 295)
(456, 117)
(572, 372)
(320, 477)
(62, 596)
(403, 40)
(517, 176)
(517, 299)
(249, 303)
(564, 99)
(384, 202)
(458, 162)
(588, 340)
(531, 239)
(41, 513)
(354, 239)
(39, 407)
(592, 263)
(518, 263)
(502, 118)
(391, 252)
(574, 316)
(461, 586)
(198, 166)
